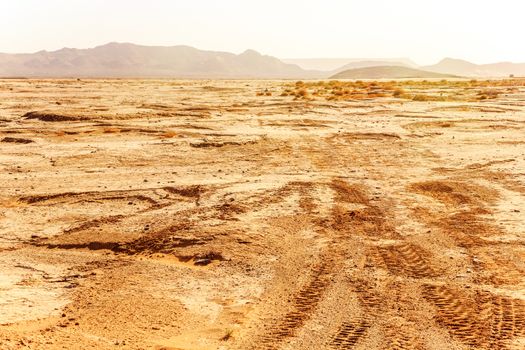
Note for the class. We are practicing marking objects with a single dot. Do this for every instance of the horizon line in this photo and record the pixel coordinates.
(264, 54)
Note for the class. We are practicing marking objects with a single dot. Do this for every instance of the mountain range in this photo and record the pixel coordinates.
(468, 69)
(130, 60)
(389, 72)
(340, 64)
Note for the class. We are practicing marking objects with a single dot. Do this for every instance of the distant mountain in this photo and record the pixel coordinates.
(365, 64)
(332, 64)
(130, 60)
(388, 72)
(465, 68)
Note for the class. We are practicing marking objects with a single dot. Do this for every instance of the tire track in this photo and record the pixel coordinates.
(406, 259)
(493, 267)
(401, 338)
(468, 202)
(303, 305)
(351, 332)
(305, 302)
(507, 319)
(483, 320)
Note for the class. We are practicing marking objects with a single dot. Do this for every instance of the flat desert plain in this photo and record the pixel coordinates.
(166, 214)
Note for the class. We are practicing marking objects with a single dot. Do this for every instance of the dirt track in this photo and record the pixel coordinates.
(197, 215)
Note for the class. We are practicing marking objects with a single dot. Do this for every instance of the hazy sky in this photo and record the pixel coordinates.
(425, 30)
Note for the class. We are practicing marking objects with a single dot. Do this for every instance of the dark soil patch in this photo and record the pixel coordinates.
(51, 117)
(16, 140)
(194, 191)
(207, 144)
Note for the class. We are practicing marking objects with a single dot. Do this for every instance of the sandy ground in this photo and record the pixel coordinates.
(150, 214)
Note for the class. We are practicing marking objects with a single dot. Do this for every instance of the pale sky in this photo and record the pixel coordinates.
(481, 31)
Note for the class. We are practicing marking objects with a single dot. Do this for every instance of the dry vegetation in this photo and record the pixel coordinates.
(416, 90)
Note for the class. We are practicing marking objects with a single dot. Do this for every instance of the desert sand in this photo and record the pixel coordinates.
(179, 214)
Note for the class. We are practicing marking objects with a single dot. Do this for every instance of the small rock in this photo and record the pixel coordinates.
(202, 262)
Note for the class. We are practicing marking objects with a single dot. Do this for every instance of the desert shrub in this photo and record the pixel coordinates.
(390, 86)
(398, 92)
(488, 94)
(301, 93)
(421, 98)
